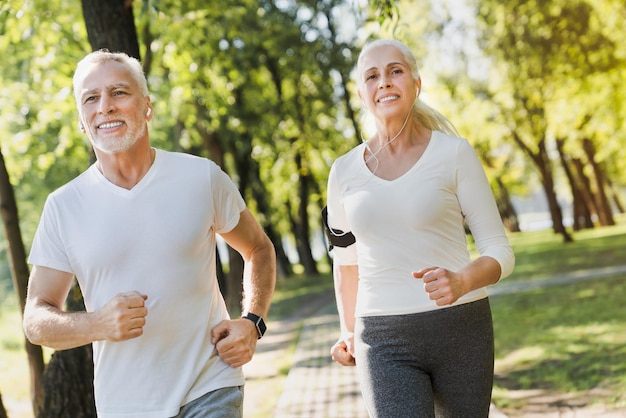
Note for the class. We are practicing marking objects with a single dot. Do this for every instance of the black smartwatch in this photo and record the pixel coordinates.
(258, 322)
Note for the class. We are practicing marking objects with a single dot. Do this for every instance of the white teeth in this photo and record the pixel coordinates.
(388, 98)
(110, 125)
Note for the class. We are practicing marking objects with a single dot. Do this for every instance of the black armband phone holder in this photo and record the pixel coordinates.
(336, 237)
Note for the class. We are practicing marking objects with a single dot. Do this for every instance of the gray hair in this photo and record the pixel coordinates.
(104, 55)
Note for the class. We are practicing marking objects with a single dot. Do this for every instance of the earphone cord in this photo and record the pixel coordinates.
(373, 154)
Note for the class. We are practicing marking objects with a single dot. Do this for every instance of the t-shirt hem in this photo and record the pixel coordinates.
(420, 309)
(171, 412)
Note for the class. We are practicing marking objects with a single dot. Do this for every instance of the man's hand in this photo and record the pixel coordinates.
(123, 317)
(343, 351)
(235, 341)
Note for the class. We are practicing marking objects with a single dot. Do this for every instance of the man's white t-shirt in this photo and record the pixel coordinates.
(413, 222)
(158, 239)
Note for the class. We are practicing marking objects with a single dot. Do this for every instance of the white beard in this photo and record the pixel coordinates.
(115, 145)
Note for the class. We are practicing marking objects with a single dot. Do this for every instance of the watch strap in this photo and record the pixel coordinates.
(259, 323)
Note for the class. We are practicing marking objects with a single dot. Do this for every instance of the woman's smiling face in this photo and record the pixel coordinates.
(386, 83)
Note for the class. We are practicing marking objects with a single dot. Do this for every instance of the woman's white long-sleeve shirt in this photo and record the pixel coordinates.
(413, 222)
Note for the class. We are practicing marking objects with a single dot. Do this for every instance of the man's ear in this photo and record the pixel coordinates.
(149, 111)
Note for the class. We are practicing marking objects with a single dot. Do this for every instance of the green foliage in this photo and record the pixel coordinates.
(555, 71)
(41, 142)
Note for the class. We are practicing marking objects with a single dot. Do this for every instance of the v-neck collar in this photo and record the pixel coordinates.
(121, 190)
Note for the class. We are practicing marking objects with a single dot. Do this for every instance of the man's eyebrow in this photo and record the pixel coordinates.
(119, 85)
(88, 92)
(109, 88)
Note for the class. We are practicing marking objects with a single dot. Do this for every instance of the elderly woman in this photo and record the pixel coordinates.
(413, 306)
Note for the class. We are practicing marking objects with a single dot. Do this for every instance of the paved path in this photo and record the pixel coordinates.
(315, 386)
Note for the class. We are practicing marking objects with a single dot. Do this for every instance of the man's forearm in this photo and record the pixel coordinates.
(47, 326)
(260, 280)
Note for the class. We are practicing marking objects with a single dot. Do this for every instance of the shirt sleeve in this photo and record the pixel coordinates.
(480, 210)
(48, 249)
(337, 220)
(227, 200)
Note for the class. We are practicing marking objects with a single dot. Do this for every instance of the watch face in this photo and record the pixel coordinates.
(258, 322)
(261, 326)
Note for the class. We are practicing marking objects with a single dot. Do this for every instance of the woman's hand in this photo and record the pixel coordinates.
(343, 351)
(443, 286)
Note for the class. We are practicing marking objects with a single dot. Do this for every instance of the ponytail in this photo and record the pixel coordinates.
(431, 119)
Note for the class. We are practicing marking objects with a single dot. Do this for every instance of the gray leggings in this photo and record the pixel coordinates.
(432, 364)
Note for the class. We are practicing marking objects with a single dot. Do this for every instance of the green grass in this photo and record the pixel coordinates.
(541, 254)
(292, 292)
(568, 339)
(14, 381)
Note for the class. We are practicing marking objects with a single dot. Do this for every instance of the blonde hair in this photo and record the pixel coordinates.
(421, 112)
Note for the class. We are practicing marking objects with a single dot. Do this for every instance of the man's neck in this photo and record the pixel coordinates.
(125, 169)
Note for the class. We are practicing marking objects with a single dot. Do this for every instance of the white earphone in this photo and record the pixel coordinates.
(148, 112)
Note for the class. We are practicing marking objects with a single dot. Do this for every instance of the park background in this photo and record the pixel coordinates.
(265, 89)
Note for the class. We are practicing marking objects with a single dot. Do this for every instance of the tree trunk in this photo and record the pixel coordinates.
(3, 412)
(585, 188)
(20, 273)
(581, 215)
(555, 209)
(259, 193)
(505, 206)
(302, 224)
(234, 286)
(615, 196)
(542, 161)
(110, 24)
(74, 397)
(605, 214)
